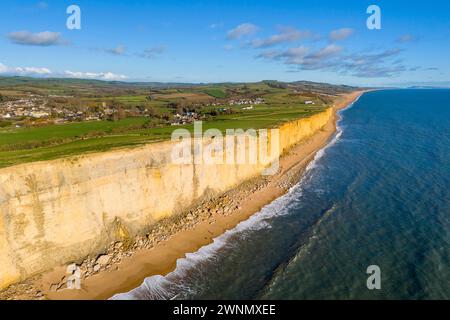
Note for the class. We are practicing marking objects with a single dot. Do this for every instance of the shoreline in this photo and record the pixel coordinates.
(161, 259)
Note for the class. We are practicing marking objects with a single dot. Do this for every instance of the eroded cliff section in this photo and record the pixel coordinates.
(61, 211)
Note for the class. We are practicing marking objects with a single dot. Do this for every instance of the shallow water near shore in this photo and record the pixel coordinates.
(378, 194)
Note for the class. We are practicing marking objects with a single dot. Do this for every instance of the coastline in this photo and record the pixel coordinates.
(161, 258)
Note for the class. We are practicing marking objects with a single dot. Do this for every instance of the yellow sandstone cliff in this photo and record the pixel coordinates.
(60, 211)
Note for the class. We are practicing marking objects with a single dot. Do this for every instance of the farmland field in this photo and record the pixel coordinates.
(216, 93)
(55, 141)
(44, 142)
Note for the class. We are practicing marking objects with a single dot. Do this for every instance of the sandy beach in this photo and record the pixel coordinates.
(161, 258)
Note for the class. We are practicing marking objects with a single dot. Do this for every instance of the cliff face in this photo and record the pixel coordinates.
(60, 211)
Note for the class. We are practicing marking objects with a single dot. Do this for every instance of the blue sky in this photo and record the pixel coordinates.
(216, 41)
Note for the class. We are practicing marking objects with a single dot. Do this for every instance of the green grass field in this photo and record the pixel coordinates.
(283, 102)
(216, 93)
(21, 145)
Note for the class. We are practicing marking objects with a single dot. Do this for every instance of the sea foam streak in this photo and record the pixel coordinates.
(169, 287)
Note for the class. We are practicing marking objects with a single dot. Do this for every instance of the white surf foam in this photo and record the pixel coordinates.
(169, 287)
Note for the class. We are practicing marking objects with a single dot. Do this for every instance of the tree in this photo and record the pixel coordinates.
(120, 110)
(152, 111)
(4, 124)
(173, 105)
(166, 116)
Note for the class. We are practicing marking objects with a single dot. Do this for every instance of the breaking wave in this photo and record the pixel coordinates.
(188, 268)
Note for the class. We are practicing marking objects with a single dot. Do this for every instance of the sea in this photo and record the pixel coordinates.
(377, 195)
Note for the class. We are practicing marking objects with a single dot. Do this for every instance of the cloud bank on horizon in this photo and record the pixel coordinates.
(202, 43)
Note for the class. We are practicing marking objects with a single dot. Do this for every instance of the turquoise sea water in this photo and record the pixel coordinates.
(379, 194)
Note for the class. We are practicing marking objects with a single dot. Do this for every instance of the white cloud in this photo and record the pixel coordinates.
(290, 56)
(119, 50)
(286, 34)
(46, 38)
(3, 68)
(406, 38)
(112, 76)
(269, 54)
(301, 56)
(242, 30)
(23, 71)
(109, 76)
(33, 70)
(340, 34)
(332, 58)
(38, 71)
(294, 55)
(154, 52)
(325, 53)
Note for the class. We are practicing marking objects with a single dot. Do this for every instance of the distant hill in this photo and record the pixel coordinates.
(9, 81)
(70, 82)
(428, 87)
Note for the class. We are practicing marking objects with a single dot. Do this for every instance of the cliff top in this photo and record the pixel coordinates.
(52, 118)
